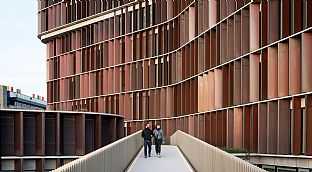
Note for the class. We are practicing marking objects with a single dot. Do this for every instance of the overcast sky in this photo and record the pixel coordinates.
(22, 55)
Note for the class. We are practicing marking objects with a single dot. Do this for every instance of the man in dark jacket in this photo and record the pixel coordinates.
(147, 135)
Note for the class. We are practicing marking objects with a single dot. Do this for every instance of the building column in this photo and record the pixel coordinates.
(19, 139)
(80, 125)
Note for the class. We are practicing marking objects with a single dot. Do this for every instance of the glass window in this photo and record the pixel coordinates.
(131, 21)
(282, 169)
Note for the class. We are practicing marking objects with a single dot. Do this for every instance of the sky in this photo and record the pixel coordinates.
(22, 55)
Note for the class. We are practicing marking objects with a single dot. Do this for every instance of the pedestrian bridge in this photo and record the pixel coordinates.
(185, 153)
(171, 160)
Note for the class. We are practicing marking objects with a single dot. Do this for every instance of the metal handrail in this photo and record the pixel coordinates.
(205, 157)
(114, 157)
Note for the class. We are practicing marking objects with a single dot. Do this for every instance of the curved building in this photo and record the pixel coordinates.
(234, 73)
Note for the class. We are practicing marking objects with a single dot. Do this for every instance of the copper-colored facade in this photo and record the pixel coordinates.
(234, 73)
(33, 140)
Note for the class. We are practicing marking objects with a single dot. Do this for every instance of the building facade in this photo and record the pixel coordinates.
(10, 99)
(234, 73)
(37, 140)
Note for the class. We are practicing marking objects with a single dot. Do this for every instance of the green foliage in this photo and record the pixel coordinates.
(233, 150)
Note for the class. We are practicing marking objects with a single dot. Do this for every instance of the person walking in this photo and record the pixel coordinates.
(159, 138)
(147, 135)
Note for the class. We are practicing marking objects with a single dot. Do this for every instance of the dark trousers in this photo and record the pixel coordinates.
(158, 145)
(147, 144)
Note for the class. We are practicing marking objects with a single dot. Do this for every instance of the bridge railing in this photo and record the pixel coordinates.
(114, 157)
(205, 157)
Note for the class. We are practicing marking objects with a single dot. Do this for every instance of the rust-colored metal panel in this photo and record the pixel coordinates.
(264, 74)
(245, 80)
(308, 107)
(194, 85)
(213, 49)
(200, 96)
(212, 13)
(296, 126)
(285, 17)
(80, 133)
(255, 127)
(191, 125)
(237, 82)
(272, 72)
(309, 13)
(92, 84)
(128, 48)
(206, 95)
(254, 77)
(127, 107)
(145, 74)
(120, 128)
(201, 127)
(152, 101)
(273, 24)
(192, 20)
(19, 165)
(245, 29)
(187, 62)
(58, 135)
(230, 39)
(208, 128)
(174, 125)
(218, 88)
(283, 69)
(219, 128)
(306, 61)
(40, 165)
(170, 103)
(224, 127)
(294, 65)
(238, 128)
(121, 104)
(127, 78)
(230, 128)
(262, 125)
(237, 36)
(223, 9)
(254, 13)
(218, 44)
(231, 6)
(98, 131)
(211, 90)
(117, 79)
(40, 134)
(272, 122)
(284, 127)
(225, 86)
(18, 134)
(223, 43)
(101, 104)
(296, 16)
(169, 128)
(110, 82)
(164, 104)
(157, 103)
(247, 127)
(112, 129)
(264, 22)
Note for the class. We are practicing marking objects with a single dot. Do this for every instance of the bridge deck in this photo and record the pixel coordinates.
(171, 160)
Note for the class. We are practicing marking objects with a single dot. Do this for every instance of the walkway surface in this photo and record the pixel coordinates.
(171, 160)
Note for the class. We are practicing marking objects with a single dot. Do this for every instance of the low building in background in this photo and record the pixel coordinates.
(16, 100)
(39, 140)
